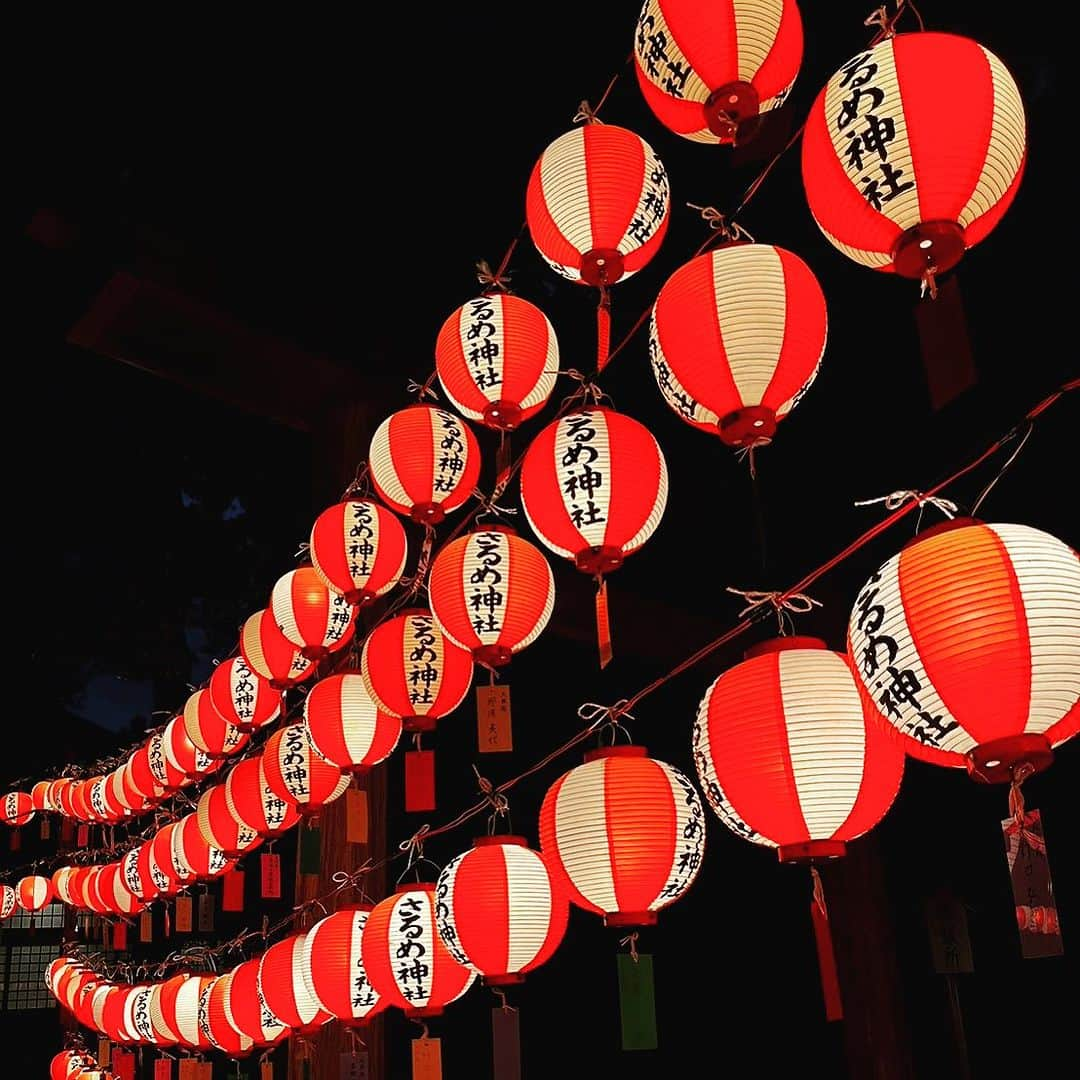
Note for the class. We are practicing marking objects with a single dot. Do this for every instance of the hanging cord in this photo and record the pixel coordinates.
(424, 1033)
(359, 485)
(500, 805)
(898, 498)
(586, 114)
(796, 603)
(819, 891)
(1018, 827)
(500, 993)
(631, 939)
(499, 280)
(1004, 468)
(424, 389)
(886, 23)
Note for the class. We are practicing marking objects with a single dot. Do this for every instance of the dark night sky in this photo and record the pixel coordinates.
(332, 191)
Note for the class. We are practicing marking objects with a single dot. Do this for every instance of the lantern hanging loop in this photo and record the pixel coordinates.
(727, 228)
(423, 1026)
(631, 940)
(489, 507)
(500, 805)
(424, 389)
(500, 993)
(895, 499)
(1001, 472)
(1018, 825)
(588, 390)
(784, 604)
(360, 484)
(493, 280)
(886, 23)
(819, 891)
(597, 715)
(747, 453)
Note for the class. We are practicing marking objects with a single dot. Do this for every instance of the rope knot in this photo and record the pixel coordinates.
(797, 603)
(415, 844)
(488, 505)
(596, 715)
(422, 390)
(493, 279)
(631, 940)
(895, 499)
(586, 114)
(719, 223)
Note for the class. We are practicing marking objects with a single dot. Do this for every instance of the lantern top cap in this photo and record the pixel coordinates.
(426, 612)
(615, 751)
(942, 527)
(492, 841)
(497, 527)
(783, 644)
(415, 886)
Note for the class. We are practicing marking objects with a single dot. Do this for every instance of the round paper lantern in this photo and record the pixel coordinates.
(189, 998)
(219, 828)
(218, 1023)
(80, 992)
(61, 795)
(112, 1013)
(163, 1009)
(209, 730)
(707, 70)
(18, 808)
(500, 910)
(346, 727)
(102, 801)
(78, 801)
(625, 834)
(34, 892)
(282, 987)
(183, 755)
(158, 861)
(59, 881)
(492, 593)
(137, 1020)
(271, 654)
(69, 1063)
(297, 775)
(497, 359)
(736, 338)
(424, 462)
(244, 699)
(404, 957)
(250, 1014)
(412, 670)
(122, 793)
(333, 968)
(786, 756)
(193, 858)
(135, 874)
(310, 615)
(142, 775)
(358, 549)
(895, 178)
(594, 487)
(167, 776)
(114, 891)
(41, 795)
(597, 204)
(968, 644)
(76, 884)
(9, 900)
(253, 803)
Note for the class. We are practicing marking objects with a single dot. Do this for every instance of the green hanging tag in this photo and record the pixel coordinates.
(310, 849)
(637, 1003)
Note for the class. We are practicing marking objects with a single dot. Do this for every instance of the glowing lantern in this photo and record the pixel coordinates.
(395, 928)
(183, 755)
(297, 775)
(423, 690)
(76, 883)
(59, 882)
(68, 1063)
(61, 795)
(282, 986)
(142, 776)
(209, 730)
(103, 800)
(135, 874)
(333, 968)
(244, 699)
(736, 339)
(895, 181)
(34, 892)
(310, 615)
(271, 654)
(158, 862)
(968, 644)
(424, 462)
(497, 359)
(625, 833)
(40, 795)
(114, 891)
(253, 803)
(708, 70)
(122, 793)
(358, 549)
(250, 1014)
(192, 856)
(217, 1020)
(137, 1022)
(500, 910)
(9, 900)
(219, 828)
(786, 756)
(189, 998)
(112, 1012)
(491, 593)
(346, 727)
(18, 808)
(163, 1009)
(78, 796)
(166, 775)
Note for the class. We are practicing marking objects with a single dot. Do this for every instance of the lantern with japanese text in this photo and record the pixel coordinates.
(246, 700)
(59, 882)
(346, 727)
(112, 1012)
(219, 1023)
(137, 1020)
(497, 359)
(250, 1014)
(736, 339)
(183, 755)
(169, 777)
(209, 730)
(283, 989)
(219, 828)
(333, 967)
(310, 615)
(412, 670)
(41, 795)
(424, 462)
(9, 901)
(913, 151)
(708, 70)
(296, 774)
(358, 549)
(625, 834)
(158, 862)
(69, 1063)
(142, 774)
(271, 654)
(786, 755)
(135, 869)
(163, 1008)
(253, 804)
(34, 892)
(189, 999)
(79, 794)
(404, 957)
(501, 911)
(114, 891)
(492, 593)
(967, 644)
(193, 857)
(18, 808)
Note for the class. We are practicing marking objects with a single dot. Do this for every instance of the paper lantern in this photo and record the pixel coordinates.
(114, 890)
(968, 644)
(219, 828)
(77, 801)
(59, 881)
(209, 730)
(68, 1063)
(594, 487)
(625, 833)
(18, 809)
(137, 1021)
(500, 910)
(404, 957)
(597, 204)
(254, 804)
(34, 892)
(122, 792)
(250, 1013)
(163, 1008)
(412, 670)
(786, 755)
(141, 776)
(192, 856)
(497, 359)
(344, 725)
(103, 802)
(75, 883)
(82, 993)
(40, 795)
(168, 777)
(271, 654)
(218, 1022)
(9, 900)
(297, 775)
(358, 549)
(333, 968)
(736, 339)
(492, 593)
(310, 615)
(708, 70)
(158, 862)
(424, 462)
(282, 987)
(135, 874)
(901, 180)
(189, 997)
(112, 1013)
(244, 699)
(61, 794)
(183, 755)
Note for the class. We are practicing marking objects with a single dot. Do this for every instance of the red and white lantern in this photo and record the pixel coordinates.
(310, 615)
(114, 891)
(358, 549)
(625, 833)
(500, 910)
(424, 462)
(271, 654)
(167, 877)
(412, 670)
(709, 70)
(34, 892)
(218, 826)
(299, 776)
(903, 171)
(492, 593)
(193, 857)
(9, 901)
(346, 727)
(283, 989)
(244, 699)
(219, 1023)
(736, 339)
(189, 999)
(163, 1008)
(497, 360)
(333, 968)
(18, 809)
(183, 755)
(967, 644)
(137, 1021)
(253, 803)
(250, 1013)
(209, 730)
(404, 957)
(69, 1063)
(170, 778)
(786, 755)
(41, 795)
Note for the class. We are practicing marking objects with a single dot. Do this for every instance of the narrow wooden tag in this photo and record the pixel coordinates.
(163, 1069)
(232, 891)
(15, 839)
(494, 734)
(603, 625)
(830, 980)
(310, 849)
(266, 1071)
(123, 1064)
(83, 836)
(506, 1043)
(419, 781)
(146, 926)
(67, 830)
(183, 914)
(119, 936)
(637, 1002)
(427, 1059)
(354, 1066)
(205, 1071)
(104, 1048)
(187, 1069)
(1033, 891)
(206, 912)
(356, 816)
(270, 865)
(950, 945)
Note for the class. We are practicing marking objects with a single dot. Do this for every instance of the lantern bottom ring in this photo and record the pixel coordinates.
(492, 655)
(929, 247)
(630, 918)
(995, 762)
(753, 425)
(728, 106)
(314, 652)
(599, 560)
(359, 597)
(811, 851)
(418, 723)
(502, 415)
(422, 1014)
(511, 978)
(427, 513)
(601, 266)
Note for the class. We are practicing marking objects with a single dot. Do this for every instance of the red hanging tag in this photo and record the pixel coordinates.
(82, 838)
(353, 1066)
(119, 936)
(1033, 891)
(205, 1071)
(183, 914)
(506, 1043)
(419, 780)
(494, 734)
(426, 1059)
(830, 981)
(146, 926)
(266, 1070)
(187, 1069)
(103, 1049)
(603, 626)
(232, 891)
(123, 1064)
(603, 330)
(270, 866)
(163, 1069)
(15, 840)
(67, 831)
(206, 913)
(356, 816)
(46, 827)
(168, 921)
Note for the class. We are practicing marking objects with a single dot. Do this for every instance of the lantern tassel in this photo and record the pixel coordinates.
(830, 982)
(603, 625)
(603, 329)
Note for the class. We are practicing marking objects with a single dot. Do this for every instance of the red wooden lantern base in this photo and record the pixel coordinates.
(314, 652)
(601, 266)
(748, 427)
(502, 415)
(994, 762)
(359, 597)
(512, 978)
(811, 851)
(599, 560)
(630, 918)
(929, 247)
(418, 723)
(727, 107)
(492, 655)
(427, 513)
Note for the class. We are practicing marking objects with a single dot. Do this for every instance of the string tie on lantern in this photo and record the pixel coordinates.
(586, 114)
(492, 279)
(895, 499)
(597, 715)
(720, 223)
(796, 603)
(631, 940)
(1018, 826)
(424, 389)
